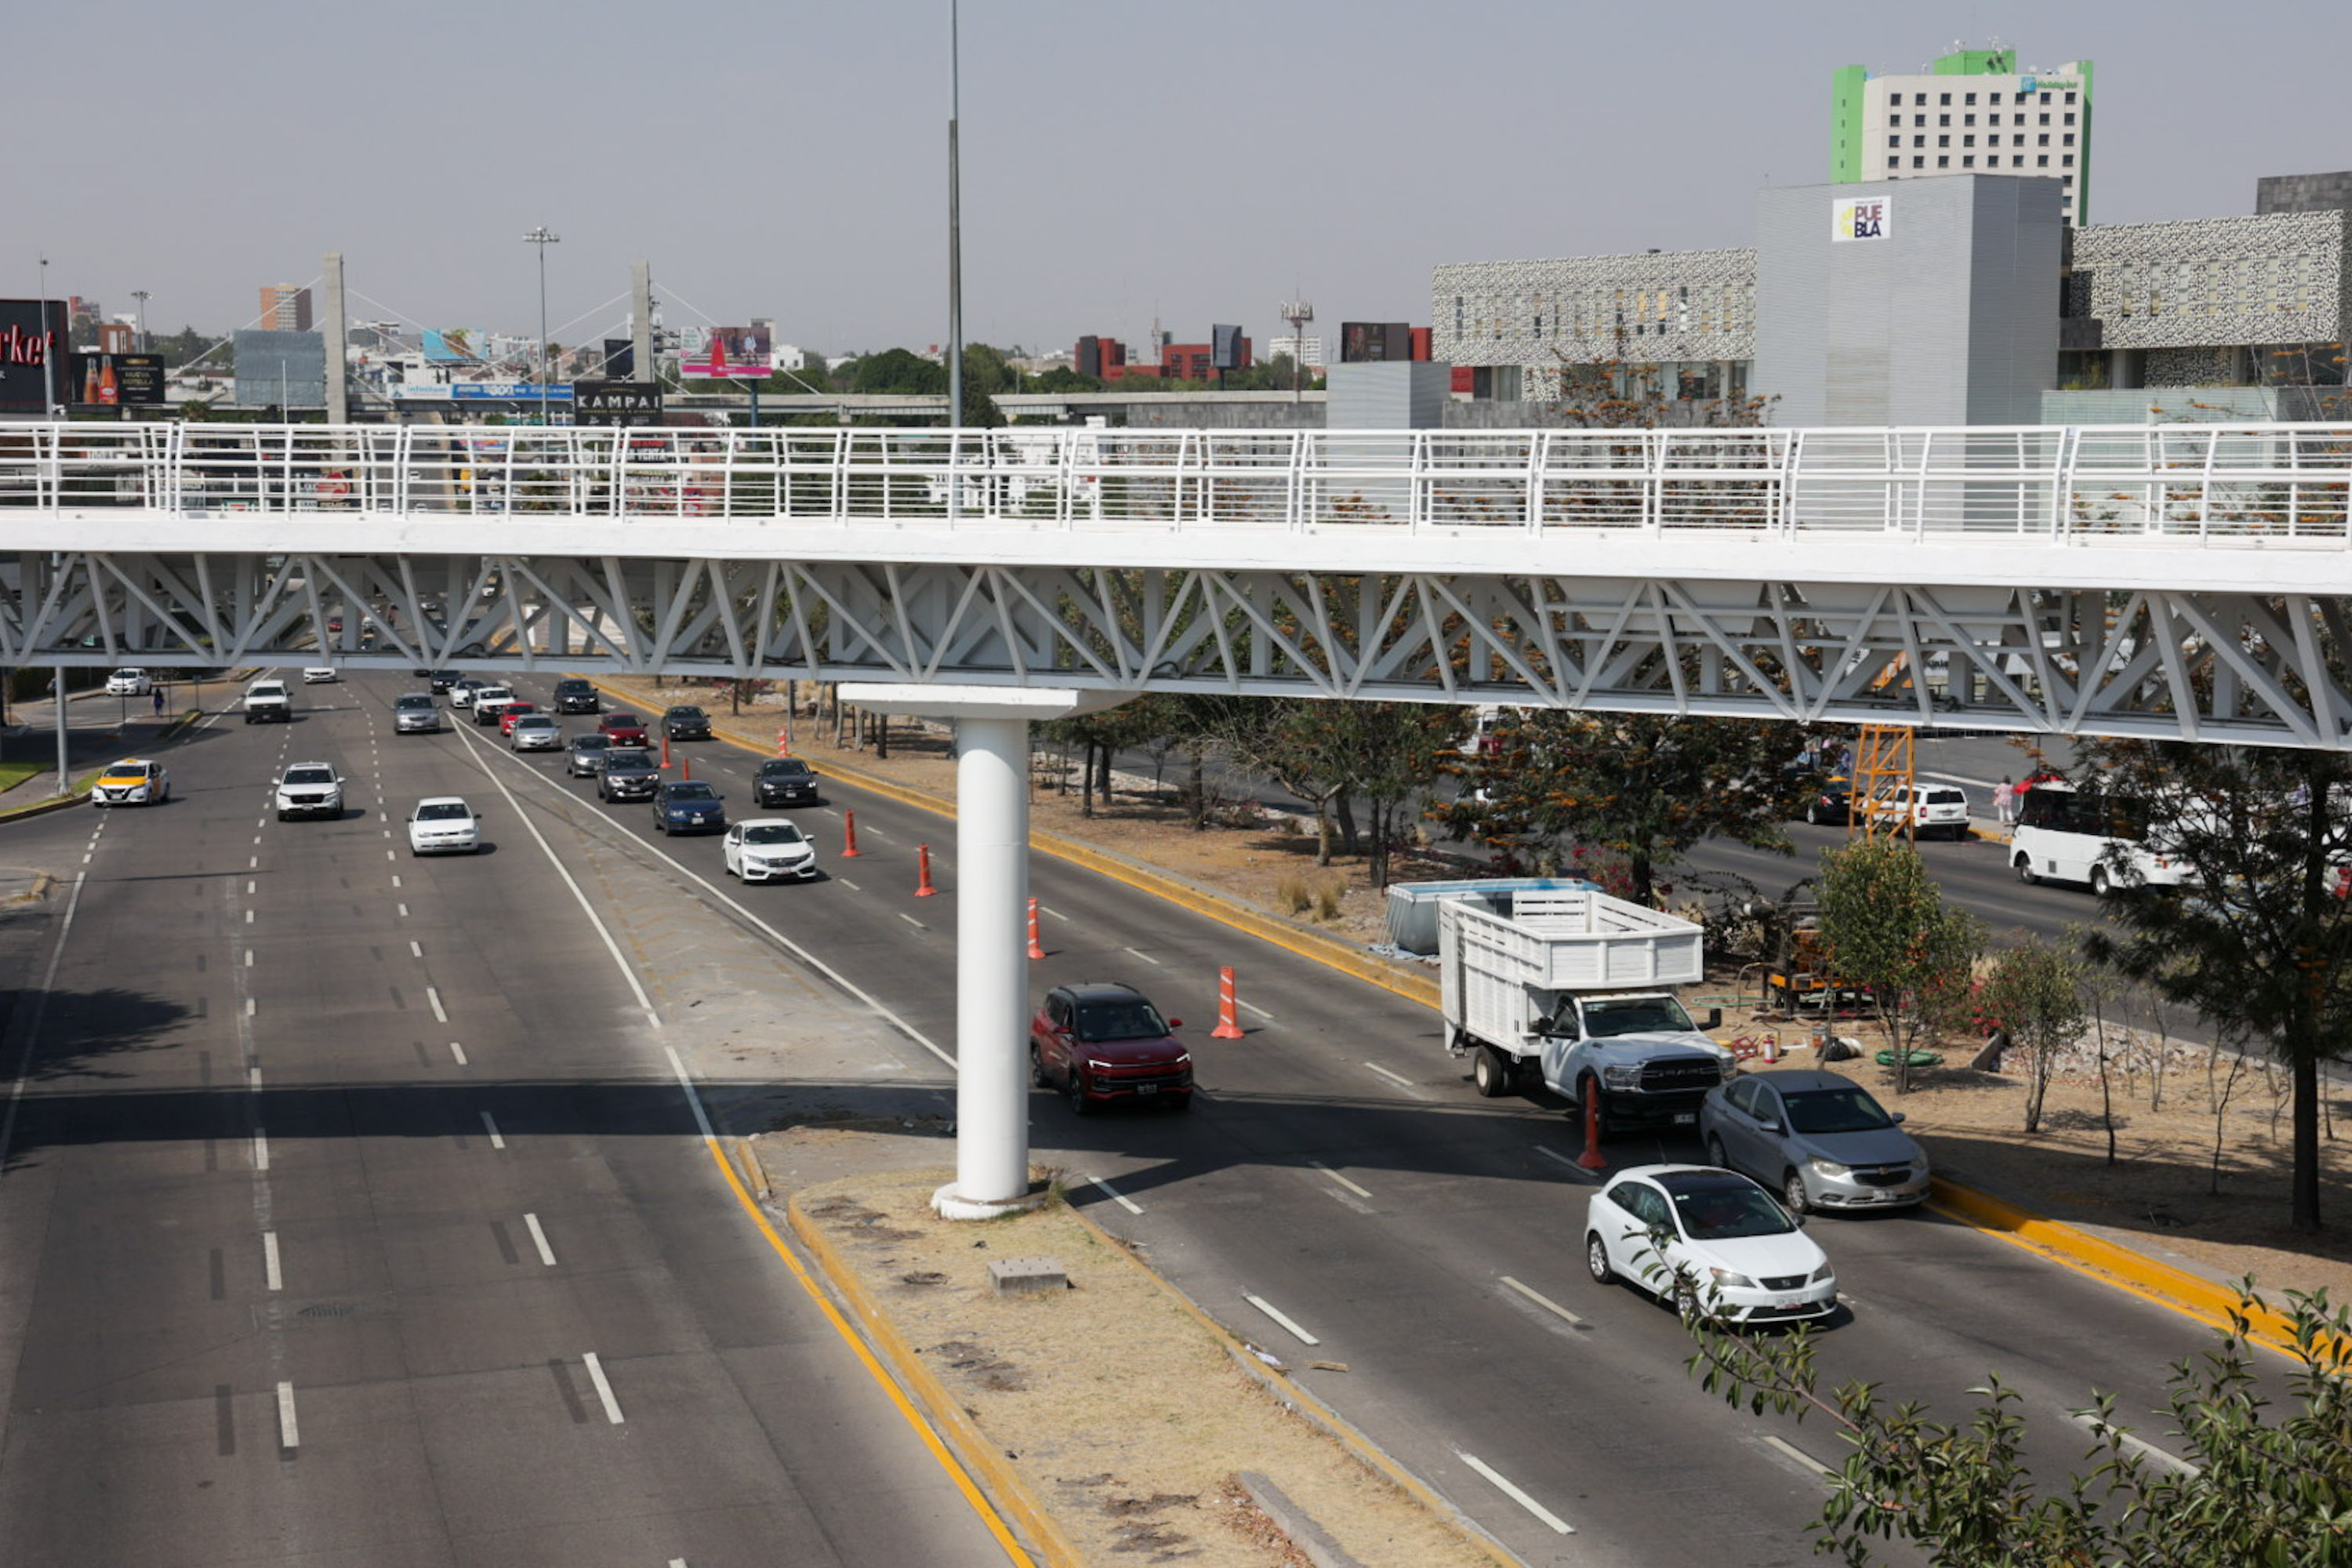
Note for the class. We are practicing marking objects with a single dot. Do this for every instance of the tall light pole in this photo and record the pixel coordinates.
(542, 237)
(48, 351)
(1298, 312)
(143, 297)
(955, 270)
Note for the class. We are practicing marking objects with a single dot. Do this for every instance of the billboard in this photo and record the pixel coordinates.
(106, 380)
(732, 352)
(508, 392)
(32, 341)
(620, 358)
(1375, 342)
(450, 345)
(282, 370)
(1861, 217)
(1225, 348)
(619, 403)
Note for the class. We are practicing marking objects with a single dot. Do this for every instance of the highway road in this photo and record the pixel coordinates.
(354, 1213)
(1339, 1180)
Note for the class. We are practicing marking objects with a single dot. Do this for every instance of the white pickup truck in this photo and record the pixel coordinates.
(1571, 989)
(269, 702)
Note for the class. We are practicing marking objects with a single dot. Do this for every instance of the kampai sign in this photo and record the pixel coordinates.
(1861, 217)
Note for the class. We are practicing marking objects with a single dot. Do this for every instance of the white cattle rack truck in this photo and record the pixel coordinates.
(1573, 989)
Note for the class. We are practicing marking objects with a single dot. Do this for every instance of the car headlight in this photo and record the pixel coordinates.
(1731, 1279)
(1822, 1276)
(1096, 1065)
(1628, 1077)
(1827, 1167)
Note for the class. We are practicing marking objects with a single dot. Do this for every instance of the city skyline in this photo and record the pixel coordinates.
(1120, 166)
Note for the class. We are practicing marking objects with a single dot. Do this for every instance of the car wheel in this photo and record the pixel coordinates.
(1037, 1067)
(2101, 883)
(1715, 1152)
(1815, 816)
(1077, 1089)
(2025, 873)
(1792, 1193)
(1596, 1258)
(1490, 1075)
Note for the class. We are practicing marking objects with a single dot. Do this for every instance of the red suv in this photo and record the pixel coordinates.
(1107, 1043)
(622, 729)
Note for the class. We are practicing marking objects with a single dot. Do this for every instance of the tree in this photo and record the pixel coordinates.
(2264, 938)
(1062, 378)
(900, 373)
(1885, 923)
(1644, 786)
(2034, 991)
(2267, 1483)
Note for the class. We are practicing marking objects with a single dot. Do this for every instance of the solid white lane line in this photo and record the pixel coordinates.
(1147, 957)
(459, 1051)
(1803, 1460)
(1049, 910)
(1513, 1493)
(1253, 1007)
(270, 1271)
(261, 1150)
(414, 951)
(440, 1015)
(604, 1389)
(289, 1435)
(1268, 1307)
(912, 921)
(1546, 1302)
(1121, 1199)
(2145, 1449)
(490, 1126)
(1335, 1176)
(693, 1096)
(538, 1239)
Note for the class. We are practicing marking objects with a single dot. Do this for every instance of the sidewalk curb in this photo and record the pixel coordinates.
(945, 1412)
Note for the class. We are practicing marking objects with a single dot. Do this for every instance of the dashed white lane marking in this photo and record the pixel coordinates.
(1513, 1493)
(261, 1150)
(85, 856)
(490, 1126)
(1048, 910)
(248, 958)
(1121, 1199)
(390, 856)
(1253, 1007)
(1546, 1302)
(383, 816)
(253, 1080)
(1271, 1310)
(538, 1239)
(1399, 1079)
(440, 1015)
(676, 1562)
(256, 838)
(289, 1435)
(396, 879)
(249, 889)
(269, 1270)
(459, 1052)
(253, 863)
(414, 951)
(2099, 1428)
(387, 833)
(1803, 1459)
(604, 1389)
(1319, 1165)
(248, 917)
(249, 1008)
(1568, 1163)
(850, 885)
(403, 911)
(912, 921)
(1147, 957)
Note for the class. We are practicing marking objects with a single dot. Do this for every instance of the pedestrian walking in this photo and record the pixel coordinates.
(159, 702)
(2004, 800)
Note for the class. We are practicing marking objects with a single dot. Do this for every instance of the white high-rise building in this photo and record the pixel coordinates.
(1306, 349)
(1972, 111)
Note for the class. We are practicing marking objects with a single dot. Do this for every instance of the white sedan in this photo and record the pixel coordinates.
(320, 675)
(443, 824)
(1705, 1239)
(769, 849)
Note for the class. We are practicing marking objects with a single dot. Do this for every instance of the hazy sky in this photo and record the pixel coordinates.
(1195, 160)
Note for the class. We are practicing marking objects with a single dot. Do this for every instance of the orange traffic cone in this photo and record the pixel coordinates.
(1591, 1159)
(849, 827)
(784, 742)
(1036, 950)
(923, 888)
(1229, 1023)
(685, 767)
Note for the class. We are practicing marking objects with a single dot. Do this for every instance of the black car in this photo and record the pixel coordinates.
(685, 722)
(688, 806)
(1827, 804)
(628, 775)
(442, 680)
(573, 695)
(784, 781)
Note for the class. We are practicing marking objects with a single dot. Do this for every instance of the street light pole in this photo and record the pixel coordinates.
(955, 271)
(48, 351)
(542, 237)
(1298, 312)
(143, 297)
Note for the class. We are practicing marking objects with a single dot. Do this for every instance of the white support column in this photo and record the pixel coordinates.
(992, 875)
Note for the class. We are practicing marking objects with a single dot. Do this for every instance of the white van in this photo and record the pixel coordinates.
(2064, 835)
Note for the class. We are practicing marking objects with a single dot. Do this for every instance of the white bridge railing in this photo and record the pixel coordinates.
(2215, 483)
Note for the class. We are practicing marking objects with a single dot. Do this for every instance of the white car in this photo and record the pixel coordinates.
(129, 681)
(1701, 1237)
(134, 781)
(535, 732)
(309, 789)
(443, 824)
(769, 849)
(489, 702)
(1932, 808)
(320, 675)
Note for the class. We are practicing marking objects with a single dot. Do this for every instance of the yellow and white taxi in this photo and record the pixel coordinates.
(134, 781)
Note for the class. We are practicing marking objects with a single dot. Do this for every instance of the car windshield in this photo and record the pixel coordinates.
(1714, 1209)
(414, 702)
(772, 833)
(686, 712)
(691, 792)
(1120, 1021)
(536, 721)
(1849, 1110)
(591, 742)
(1635, 1015)
(310, 775)
(774, 769)
(443, 811)
(629, 762)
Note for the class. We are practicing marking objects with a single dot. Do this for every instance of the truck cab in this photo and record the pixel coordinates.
(1639, 1053)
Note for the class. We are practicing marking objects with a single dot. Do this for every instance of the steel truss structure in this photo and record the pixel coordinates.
(2201, 593)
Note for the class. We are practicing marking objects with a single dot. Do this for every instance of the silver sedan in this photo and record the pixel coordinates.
(536, 732)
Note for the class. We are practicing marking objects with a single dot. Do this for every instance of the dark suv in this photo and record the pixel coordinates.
(573, 695)
(686, 722)
(1104, 1043)
(784, 781)
(628, 775)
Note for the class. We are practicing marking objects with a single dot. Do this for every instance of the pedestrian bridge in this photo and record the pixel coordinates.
(2187, 580)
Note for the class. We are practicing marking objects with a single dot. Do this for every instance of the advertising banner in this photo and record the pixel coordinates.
(107, 380)
(629, 404)
(1861, 217)
(33, 371)
(745, 352)
(509, 391)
